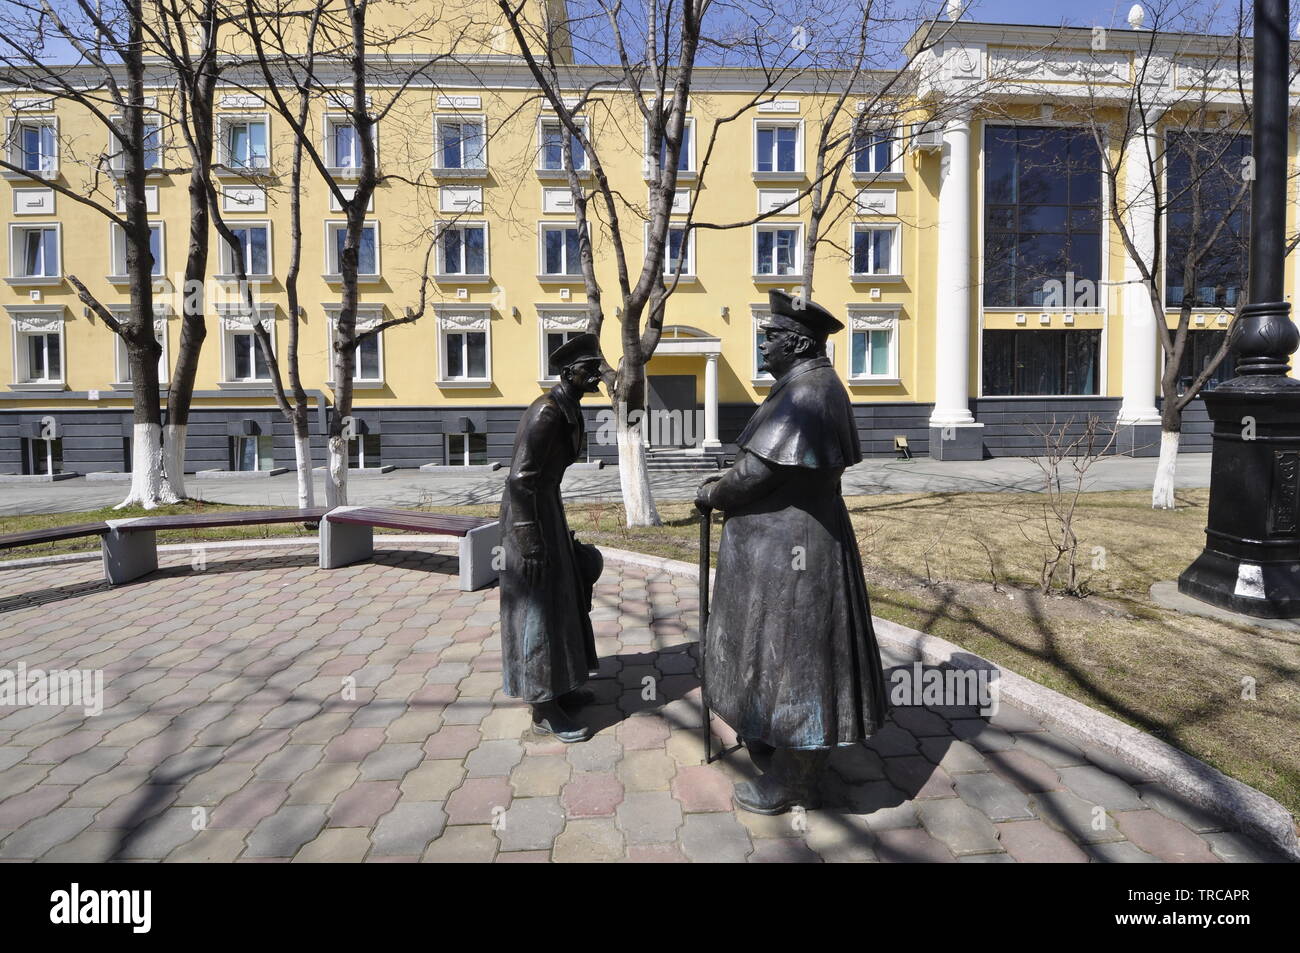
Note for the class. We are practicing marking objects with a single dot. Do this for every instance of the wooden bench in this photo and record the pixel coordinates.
(130, 546)
(347, 535)
(52, 535)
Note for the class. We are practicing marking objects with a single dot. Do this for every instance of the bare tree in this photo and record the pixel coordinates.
(107, 82)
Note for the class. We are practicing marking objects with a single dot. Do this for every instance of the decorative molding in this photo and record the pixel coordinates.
(236, 317)
(1066, 66)
(33, 201)
(460, 102)
(461, 198)
(241, 101)
(465, 317)
(877, 202)
(32, 104)
(788, 106)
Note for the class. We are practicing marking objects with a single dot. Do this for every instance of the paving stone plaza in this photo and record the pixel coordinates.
(257, 708)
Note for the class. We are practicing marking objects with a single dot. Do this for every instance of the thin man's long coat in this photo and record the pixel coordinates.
(547, 644)
(792, 657)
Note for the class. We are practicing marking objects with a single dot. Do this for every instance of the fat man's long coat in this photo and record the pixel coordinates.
(792, 659)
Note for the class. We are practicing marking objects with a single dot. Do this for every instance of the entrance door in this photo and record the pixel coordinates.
(669, 393)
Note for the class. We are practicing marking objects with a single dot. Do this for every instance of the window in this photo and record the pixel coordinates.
(1044, 362)
(463, 250)
(254, 250)
(685, 159)
(466, 354)
(554, 338)
(244, 142)
(152, 152)
(778, 250)
(1042, 195)
(560, 250)
(33, 145)
(1201, 346)
(156, 247)
(874, 151)
(777, 147)
(242, 360)
(123, 373)
(254, 452)
(41, 357)
(679, 256)
(42, 457)
(367, 356)
(1206, 168)
(364, 451)
(467, 449)
(342, 145)
(871, 345)
(875, 250)
(34, 251)
(551, 155)
(461, 144)
(367, 249)
(247, 359)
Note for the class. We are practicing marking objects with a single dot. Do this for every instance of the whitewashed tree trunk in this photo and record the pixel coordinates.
(149, 485)
(634, 476)
(174, 457)
(1162, 493)
(336, 477)
(302, 459)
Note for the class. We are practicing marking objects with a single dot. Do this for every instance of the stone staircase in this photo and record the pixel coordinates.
(671, 458)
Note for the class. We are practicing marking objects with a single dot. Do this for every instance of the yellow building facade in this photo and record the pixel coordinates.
(942, 345)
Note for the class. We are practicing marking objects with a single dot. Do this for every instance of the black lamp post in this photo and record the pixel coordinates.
(1251, 561)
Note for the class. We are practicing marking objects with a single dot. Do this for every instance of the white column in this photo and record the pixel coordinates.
(1140, 369)
(953, 284)
(711, 401)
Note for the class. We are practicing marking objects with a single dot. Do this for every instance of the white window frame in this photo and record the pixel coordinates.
(798, 171)
(895, 270)
(228, 271)
(224, 123)
(27, 322)
(895, 170)
(333, 226)
(117, 247)
(233, 442)
(542, 274)
(13, 145)
(117, 160)
(232, 323)
(121, 365)
(368, 316)
(446, 448)
(452, 225)
(461, 171)
(650, 164)
(797, 274)
(758, 314)
(476, 318)
(863, 319)
(331, 122)
(550, 319)
(690, 273)
(17, 241)
(554, 120)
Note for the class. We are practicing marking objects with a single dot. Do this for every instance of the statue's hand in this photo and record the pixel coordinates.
(534, 567)
(532, 552)
(703, 496)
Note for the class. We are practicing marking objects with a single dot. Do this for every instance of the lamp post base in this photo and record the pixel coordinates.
(1251, 560)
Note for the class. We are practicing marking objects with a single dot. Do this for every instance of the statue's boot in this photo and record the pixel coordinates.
(549, 718)
(791, 781)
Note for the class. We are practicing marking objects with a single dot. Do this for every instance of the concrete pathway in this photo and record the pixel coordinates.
(415, 488)
(259, 709)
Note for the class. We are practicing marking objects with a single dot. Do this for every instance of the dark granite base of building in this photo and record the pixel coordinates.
(99, 440)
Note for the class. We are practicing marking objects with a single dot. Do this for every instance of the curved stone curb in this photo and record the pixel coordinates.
(1252, 811)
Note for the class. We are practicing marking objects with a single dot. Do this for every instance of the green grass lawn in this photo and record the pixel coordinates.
(965, 567)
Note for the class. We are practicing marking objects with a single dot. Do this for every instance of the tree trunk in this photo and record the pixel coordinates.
(149, 485)
(174, 454)
(1162, 493)
(303, 461)
(336, 475)
(634, 475)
